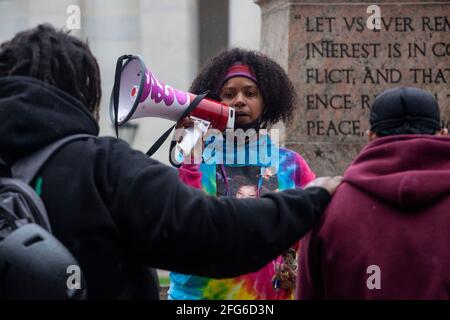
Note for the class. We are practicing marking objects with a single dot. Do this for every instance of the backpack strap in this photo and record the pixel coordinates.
(26, 168)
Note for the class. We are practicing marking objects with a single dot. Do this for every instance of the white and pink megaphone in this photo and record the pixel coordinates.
(141, 94)
(138, 93)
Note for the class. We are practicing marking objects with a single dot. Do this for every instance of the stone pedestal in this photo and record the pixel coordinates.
(339, 59)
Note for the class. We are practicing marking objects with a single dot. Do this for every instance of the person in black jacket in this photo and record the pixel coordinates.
(118, 211)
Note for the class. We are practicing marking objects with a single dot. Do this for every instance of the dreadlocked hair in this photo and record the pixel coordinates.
(277, 90)
(57, 58)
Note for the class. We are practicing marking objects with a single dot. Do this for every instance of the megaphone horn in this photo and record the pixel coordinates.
(141, 94)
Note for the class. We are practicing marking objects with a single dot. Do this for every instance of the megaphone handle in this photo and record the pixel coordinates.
(189, 139)
(166, 134)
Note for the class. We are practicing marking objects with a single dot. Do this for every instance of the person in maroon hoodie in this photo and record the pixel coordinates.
(386, 233)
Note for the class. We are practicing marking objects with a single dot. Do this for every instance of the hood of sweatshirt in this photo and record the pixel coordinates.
(34, 114)
(405, 171)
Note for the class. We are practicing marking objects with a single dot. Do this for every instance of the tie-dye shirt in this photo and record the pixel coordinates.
(240, 181)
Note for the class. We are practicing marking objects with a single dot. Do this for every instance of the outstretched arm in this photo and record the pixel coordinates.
(172, 226)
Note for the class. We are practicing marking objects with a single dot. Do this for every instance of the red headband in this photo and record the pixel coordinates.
(239, 70)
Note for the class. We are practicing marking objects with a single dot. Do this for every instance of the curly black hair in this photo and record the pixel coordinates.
(57, 58)
(277, 90)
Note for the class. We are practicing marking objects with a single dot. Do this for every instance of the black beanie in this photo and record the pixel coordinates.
(404, 107)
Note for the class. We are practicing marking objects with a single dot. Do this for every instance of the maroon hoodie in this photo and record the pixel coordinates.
(386, 233)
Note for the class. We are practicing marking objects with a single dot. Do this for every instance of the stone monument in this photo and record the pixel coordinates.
(341, 54)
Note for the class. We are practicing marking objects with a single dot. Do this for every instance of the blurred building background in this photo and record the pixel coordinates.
(175, 37)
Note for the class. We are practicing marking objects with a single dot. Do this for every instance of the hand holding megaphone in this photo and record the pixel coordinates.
(138, 93)
(193, 130)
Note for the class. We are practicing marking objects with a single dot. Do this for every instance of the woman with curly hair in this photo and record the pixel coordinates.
(261, 94)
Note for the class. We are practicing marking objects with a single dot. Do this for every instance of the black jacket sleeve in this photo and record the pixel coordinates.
(169, 225)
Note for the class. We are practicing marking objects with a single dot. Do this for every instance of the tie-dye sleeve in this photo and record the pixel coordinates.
(191, 175)
(303, 174)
